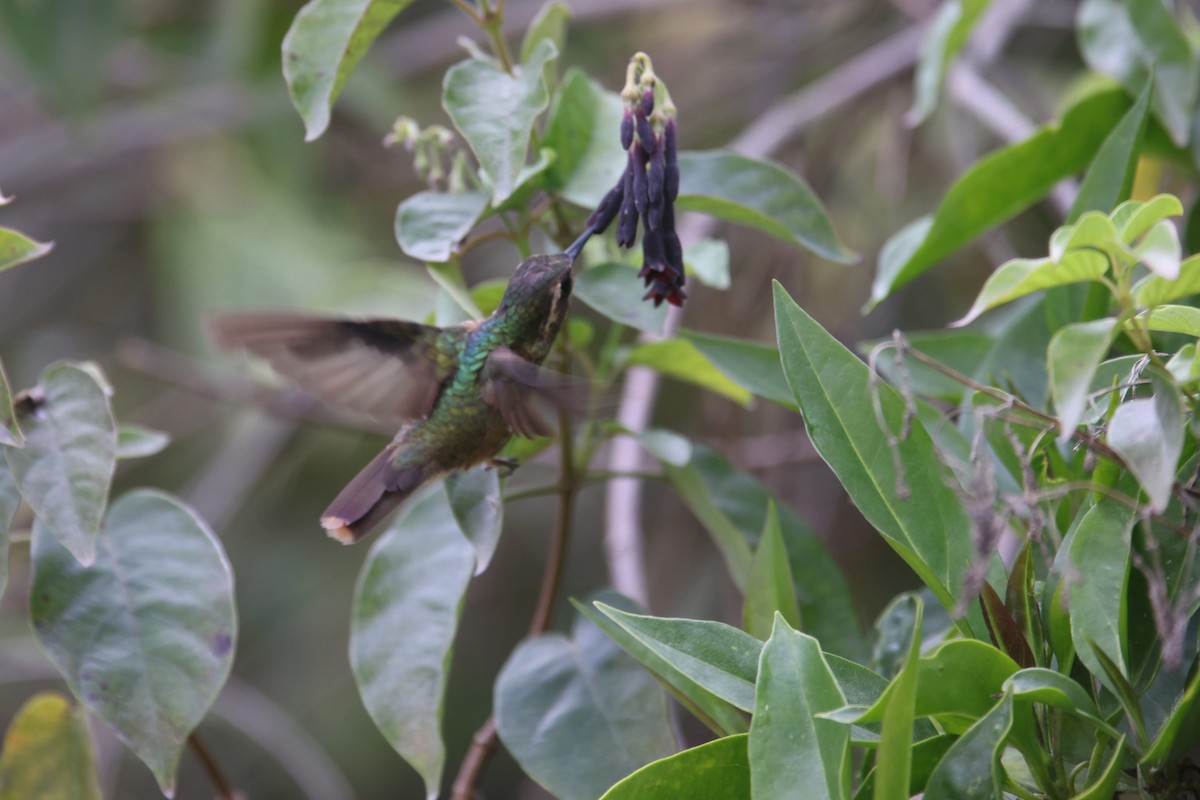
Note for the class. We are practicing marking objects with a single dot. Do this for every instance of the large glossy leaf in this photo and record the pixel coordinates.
(559, 701)
(678, 358)
(495, 111)
(1023, 276)
(1075, 352)
(769, 589)
(948, 32)
(66, 466)
(582, 131)
(971, 769)
(997, 188)
(47, 753)
(325, 43)
(430, 225)
(789, 746)
(894, 761)
(17, 248)
(1099, 562)
(1109, 179)
(760, 194)
(613, 289)
(910, 503)
(145, 635)
(718, 770)
(751, 365)
(1128, 40)
(10, 431)
(478, 509)
(721, 716)
(1148, 434)
(732, 506)
(406, 609)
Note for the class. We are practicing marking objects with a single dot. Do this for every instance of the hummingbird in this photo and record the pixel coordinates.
(459, 393)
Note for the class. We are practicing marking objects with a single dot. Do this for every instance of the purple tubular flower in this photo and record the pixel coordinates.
(647, 101)
(645, 134)
(637, 168)
(608, 208)
(671, 170)
(628, 218)
(627, 130)
(654, 190)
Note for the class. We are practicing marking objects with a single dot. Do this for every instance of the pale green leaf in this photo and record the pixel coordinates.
(1098, 554)
(47, 753)
(1155, 290)
(17, 248)
(718, 770)
(1148, 434)
(583, 132)
(1023, 276)
(708, 260)
(893, 766)
(1073, 356)
(769, 589)
(477, 506)
(1160, 251)
(10, 430)
(615, 290)
(431, 225)
(1109, 179)
(138, 441)
(550, 23)
(1143, 216)
(752, 365)
(680, 359)
(950, 29)
(1172, 319)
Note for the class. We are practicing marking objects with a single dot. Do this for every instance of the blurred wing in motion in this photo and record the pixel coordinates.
(527, 395)
(387, 369)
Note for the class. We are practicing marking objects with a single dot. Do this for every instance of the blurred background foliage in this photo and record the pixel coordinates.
(153, 142)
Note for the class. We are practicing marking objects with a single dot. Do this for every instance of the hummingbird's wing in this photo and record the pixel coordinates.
(525, 393)
(387, 369)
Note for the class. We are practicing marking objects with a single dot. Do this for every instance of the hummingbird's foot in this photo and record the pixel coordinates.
(505, 466)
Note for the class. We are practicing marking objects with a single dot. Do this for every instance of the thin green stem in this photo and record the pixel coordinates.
(469, 10)
(599, 476)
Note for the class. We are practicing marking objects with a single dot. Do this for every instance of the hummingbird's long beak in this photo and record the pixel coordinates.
(577, 246)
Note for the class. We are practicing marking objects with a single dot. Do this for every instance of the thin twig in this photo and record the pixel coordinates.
(221, 783)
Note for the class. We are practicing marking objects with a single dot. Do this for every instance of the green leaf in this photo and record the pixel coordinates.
(1075, 352)
(958, 682)
(1022, 276)
(1056, 690)
(718, 657)
(997, 188)
(914, 507)
(431, 225)
(16, 248)
(550, 23)
(582, 131)
(1105, 786)
(971, 767)
(406, 609)
(1178, 733)
(961, 350)
(722, 717)
(708, 260)
(769, 589)
(894, 761)
(1155, 290)
(893, 633)
(926, 755)
(678, 358)
(1004, 629)
(759, 194)
(138, 441)
(1093, 230)
(562, 700)
(66, 466)
(495, 111)
(477, 506)
(1173, 319)
(47, 753)
(789, 747)
(10, 431)
(752, 365)
(145, 635)
(718, 770)
(1098, 554)
(10, 499)
(614, 290)
(326, 41)
(951, 28)
(667, 446)
(732, 506)
(1159, 250)
(1021, 597)
(1143, 216)
(1128, 41)
(1148, 435)
(1110, 177)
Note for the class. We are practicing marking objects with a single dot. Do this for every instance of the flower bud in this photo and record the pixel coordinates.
(627, 130)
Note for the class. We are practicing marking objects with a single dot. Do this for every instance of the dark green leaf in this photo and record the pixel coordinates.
(582, 131)
(718, 770)
(971, 767)
(913, 506)
(894, 761)
(1148, 435)
(495, 111)
(406, 609)
(997, 188)
(66, 466)
(751, 365)
(145, 635)
(1110, 177)
(325, 43)
(560, 701)
(1105, 786)
(431, 225)
(138, 441)
(1098, 553)
(16, 248)
(789, 747)
(614, 290)
(1075, 352)
(948, 32)
(680, 359)
(769, 589)
(1126, 695)
(47, 753)
(760, 194)
(10, 431)
(478, 509)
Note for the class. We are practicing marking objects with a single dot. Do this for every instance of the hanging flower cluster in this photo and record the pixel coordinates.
(650, 184)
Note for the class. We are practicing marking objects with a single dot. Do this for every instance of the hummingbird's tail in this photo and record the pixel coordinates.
(367, 500)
